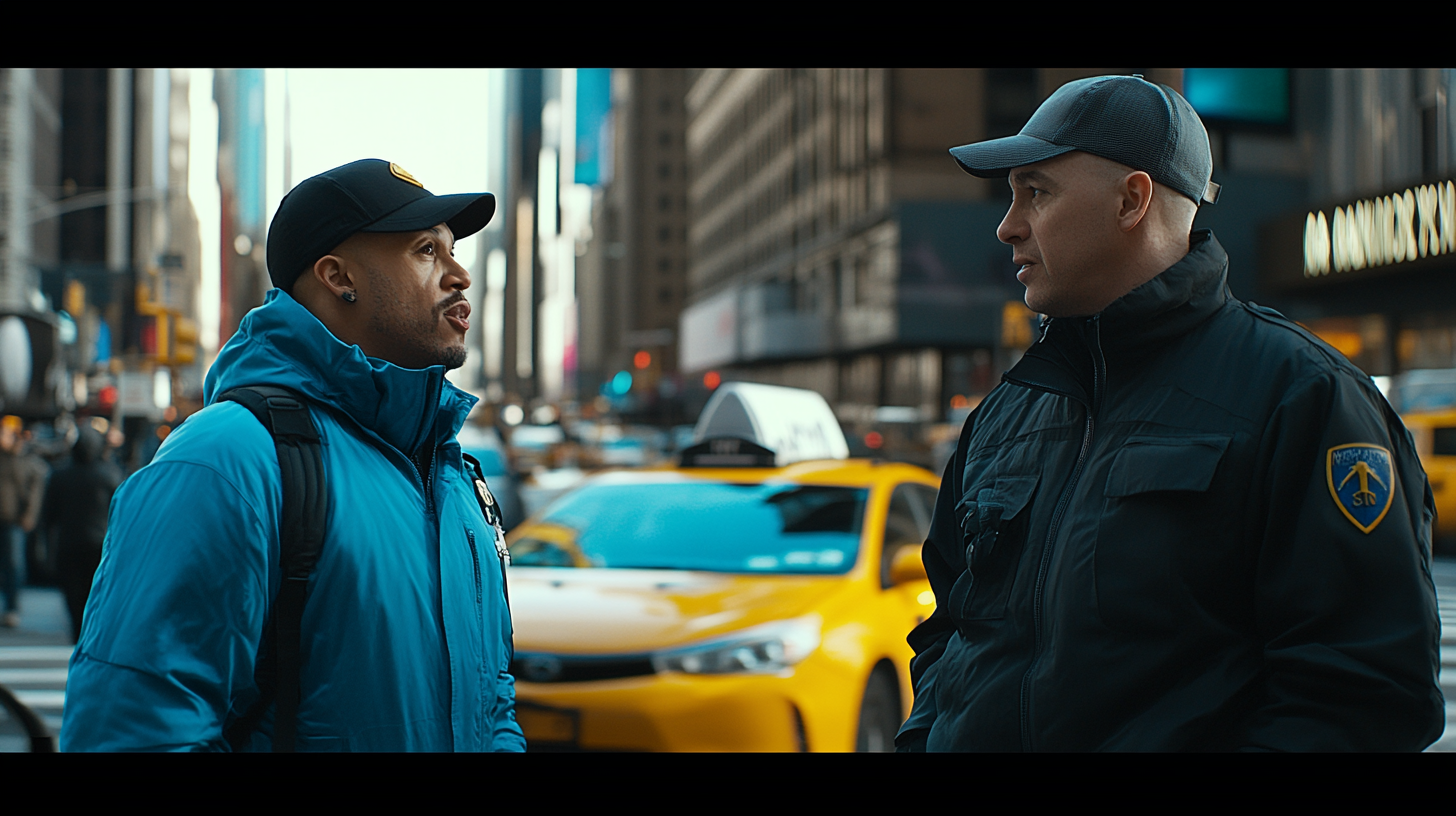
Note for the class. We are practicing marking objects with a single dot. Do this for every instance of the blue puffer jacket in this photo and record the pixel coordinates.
(406, 632)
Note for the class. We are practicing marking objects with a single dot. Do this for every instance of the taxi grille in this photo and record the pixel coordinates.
(550, 668)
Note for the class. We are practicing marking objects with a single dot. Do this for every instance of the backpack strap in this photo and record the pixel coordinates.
(301, 536)
(490, 508)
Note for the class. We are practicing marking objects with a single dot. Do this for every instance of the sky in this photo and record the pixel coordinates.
(432, 122)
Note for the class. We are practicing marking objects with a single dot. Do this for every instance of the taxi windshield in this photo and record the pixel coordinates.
(703, 525)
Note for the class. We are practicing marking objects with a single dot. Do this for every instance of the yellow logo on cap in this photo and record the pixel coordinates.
(403, 175)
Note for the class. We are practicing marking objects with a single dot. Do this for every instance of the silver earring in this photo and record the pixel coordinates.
(349, 296)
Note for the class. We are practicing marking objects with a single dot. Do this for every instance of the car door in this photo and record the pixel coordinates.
(906, 602)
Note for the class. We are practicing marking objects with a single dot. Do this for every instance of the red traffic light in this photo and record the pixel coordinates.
(106, 399)
(711, 380)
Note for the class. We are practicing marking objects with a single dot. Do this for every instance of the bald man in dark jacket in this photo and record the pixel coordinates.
(1181, 522)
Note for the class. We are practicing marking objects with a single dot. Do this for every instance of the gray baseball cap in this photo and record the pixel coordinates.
(1125, 119)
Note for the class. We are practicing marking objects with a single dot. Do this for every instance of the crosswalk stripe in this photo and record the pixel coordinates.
(12, 677)
(36, 675)
(35, 654)
(41, 698)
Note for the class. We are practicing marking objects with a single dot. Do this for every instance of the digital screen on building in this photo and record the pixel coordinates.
(1248, 96)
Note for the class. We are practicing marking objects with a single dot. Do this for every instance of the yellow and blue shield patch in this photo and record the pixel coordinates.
(1362, 481)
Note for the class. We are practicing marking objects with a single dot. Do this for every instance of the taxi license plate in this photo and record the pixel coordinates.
(544, 724)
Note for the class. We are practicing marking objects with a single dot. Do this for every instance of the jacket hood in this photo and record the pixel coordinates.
(281, 343)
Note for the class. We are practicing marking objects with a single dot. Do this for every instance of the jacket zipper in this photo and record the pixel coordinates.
(425, 470)
(1098, 373)
(475, 559)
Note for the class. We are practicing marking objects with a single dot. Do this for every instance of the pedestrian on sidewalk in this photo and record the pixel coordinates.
(77, 502)
(22, 480)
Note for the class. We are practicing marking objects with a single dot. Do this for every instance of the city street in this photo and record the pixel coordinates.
(715, 339)
(33, 661)
(33, 658)
(1444, 571)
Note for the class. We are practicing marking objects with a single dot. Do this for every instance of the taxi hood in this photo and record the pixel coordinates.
(628, 611)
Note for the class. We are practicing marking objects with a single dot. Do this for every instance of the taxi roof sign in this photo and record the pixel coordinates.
(727, 451)
(795, 423)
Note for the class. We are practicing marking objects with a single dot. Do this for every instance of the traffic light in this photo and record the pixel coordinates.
(167, 338)
(184, 336)
(649, 371)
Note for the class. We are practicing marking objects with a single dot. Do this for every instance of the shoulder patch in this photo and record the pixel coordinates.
(1362, 481)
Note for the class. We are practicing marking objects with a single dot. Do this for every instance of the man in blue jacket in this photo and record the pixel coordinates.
(406, 634)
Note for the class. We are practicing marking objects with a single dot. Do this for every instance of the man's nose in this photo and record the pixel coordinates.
(1013, 227)
(458, 277)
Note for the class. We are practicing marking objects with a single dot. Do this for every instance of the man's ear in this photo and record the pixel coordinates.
(1135, 196)
(333, 275)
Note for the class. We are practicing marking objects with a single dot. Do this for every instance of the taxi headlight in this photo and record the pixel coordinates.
(769, 647)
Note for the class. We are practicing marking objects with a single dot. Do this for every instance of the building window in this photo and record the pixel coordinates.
(664, 170)
(664, 203)
(665, 295)
(664, 265)
(861, 282)
(664, 138)
(1430, 142)
(664, 235)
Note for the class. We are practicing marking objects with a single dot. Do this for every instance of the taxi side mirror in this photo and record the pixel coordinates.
(907, 565)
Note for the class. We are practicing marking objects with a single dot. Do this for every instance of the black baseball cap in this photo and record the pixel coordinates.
(1126, 119)
(369, 195)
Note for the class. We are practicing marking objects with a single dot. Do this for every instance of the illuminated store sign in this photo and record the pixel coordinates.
(1382, 231)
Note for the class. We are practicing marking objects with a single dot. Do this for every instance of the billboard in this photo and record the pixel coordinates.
(593, 126)
(1257, 97)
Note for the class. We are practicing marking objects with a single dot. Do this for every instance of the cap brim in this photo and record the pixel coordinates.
(465, 213)
(996, 158)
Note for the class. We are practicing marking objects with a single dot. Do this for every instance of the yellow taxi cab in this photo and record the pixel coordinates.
(1427, 399)
(1434, 433)
(750, 598)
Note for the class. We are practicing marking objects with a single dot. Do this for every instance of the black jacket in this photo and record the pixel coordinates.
(1166, 546)
(78, 498)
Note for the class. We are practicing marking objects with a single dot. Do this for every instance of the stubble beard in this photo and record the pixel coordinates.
(416, 335)
(453, 357)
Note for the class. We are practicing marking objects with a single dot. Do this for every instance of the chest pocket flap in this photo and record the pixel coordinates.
(1001, 502)
(1151, 463)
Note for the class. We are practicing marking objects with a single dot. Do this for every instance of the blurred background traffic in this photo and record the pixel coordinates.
(662, 232)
